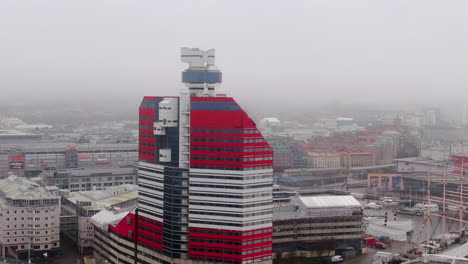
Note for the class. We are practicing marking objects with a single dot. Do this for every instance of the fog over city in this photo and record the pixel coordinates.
(233, 131)
(275, 54)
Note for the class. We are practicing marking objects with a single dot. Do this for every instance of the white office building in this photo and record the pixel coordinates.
(29, 218)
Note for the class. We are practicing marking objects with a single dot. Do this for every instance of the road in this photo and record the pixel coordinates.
(395, 247)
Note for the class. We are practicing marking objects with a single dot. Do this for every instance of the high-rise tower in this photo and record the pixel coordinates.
(205, 175)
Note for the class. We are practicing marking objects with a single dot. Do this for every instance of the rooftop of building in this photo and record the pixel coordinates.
(435, 177)
(4, 132)
(62, 146)
(337, 153)
(104, 198)
(15, 187)
(323, 154)
(329, 201)
(99, 171)
(32, 126)
(271, 119)
(11, 132)
(108, 217)
(359, 153)
(419, 160)
(316, 206)
(460, 155)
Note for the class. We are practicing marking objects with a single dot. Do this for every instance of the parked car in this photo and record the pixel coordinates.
(373, 206)
(410, 211)
(387, 201)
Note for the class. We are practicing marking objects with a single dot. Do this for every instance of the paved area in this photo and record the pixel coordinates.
(70, 255)
(395, 247)
(401, 247)
(420, 226)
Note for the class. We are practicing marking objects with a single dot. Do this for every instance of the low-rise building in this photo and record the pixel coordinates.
(417, 164)
(14, 136)
(115, 236)
(358, 159)
(443, 134)
(283, 156)
(31, 159)
(313, 226)
(79, 207)
(384, 150)
(324, 160)
(29, 218)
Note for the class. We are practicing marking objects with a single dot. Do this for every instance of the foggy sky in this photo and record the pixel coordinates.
(281, 52)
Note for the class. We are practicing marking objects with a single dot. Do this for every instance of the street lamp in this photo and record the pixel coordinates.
(29, 249)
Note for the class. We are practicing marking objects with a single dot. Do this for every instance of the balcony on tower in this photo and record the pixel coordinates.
(168, 112)
(165, 155)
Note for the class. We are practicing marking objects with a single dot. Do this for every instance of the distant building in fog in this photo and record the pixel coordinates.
(283, 156)
(357, 159)
(324, 160)
(14, 136)
(85, 179)
(268, 123)
(443, 134)
(345, 121)
(31, 159)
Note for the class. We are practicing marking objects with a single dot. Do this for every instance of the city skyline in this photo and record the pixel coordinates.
(325, 132)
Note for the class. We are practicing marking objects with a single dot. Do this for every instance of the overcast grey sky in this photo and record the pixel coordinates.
(295, 51)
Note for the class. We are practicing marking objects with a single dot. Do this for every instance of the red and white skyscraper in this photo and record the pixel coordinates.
(205, 175)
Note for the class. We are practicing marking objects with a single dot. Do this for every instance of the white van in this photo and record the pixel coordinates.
(336, 259)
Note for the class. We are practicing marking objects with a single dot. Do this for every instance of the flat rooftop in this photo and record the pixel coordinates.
(15, 187)
(329, 201)
(100, 171)
(13, 133)
(102, 198)
(62, 146)
(316, 206)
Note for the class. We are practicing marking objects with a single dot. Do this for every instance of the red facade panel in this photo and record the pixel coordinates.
(124, 226)
(150, 233)
(230, 245)
(220, 119)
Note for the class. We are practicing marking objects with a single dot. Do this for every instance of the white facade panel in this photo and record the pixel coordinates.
(231, 209)
(233, 228)
(149, 208)
(230, 191)
(147, 199)
(165, 155)
(230, 200)
(168, 112)
(151, 183)
(151, 217)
